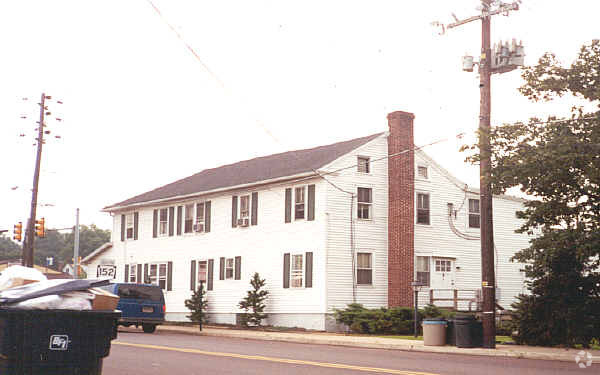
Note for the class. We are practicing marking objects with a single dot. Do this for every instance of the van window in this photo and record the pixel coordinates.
(140, 292)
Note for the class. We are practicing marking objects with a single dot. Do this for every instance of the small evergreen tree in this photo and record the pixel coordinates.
(254, 302)
(197, 305)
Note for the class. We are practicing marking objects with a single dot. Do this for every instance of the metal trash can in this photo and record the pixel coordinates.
(468, 331)
(434, 332)
(49, 342)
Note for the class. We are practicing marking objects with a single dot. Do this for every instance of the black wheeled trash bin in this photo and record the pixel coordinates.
(55, 342)
(451, 333)
(468, 331)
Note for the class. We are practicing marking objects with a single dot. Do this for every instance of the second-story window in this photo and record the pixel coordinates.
(474, 213)
(244, 207)
(299, 203)
(129, 223)
(365, 201)
(189, 218)
(423, 208)
(363, 164)
(422, 172)
(163, 222)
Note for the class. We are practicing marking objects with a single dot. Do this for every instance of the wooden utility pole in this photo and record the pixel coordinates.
(500, 60)
(488, 277)
(29, 232)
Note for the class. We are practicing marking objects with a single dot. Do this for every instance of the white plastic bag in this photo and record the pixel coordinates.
(14, 275)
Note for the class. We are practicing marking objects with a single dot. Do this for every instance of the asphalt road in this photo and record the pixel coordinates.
(135, 352)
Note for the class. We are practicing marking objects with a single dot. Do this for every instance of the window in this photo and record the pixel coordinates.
(129, 226)
(202, 271)
(365, 201)
(200, 212)
(132, 273)
(158, 274)
(299, 203)
(423, 270)
(163, 222)
(364, 269)
(229, 268)
(474, 213)
(363, 164)
(422, 208)
(244, 206)
(443, 265)
(188, 225)
(297, 271)
(422, 172)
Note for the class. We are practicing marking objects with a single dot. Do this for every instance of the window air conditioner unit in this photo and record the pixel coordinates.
(198, 227)
(242, 222)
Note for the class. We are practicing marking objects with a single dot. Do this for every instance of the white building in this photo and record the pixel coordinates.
(355, 221)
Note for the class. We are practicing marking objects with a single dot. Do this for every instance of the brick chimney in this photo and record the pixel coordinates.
(401, 218)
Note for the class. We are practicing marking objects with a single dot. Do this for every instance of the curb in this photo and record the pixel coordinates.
(374, 344)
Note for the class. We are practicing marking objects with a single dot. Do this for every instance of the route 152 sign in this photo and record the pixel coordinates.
(105, 270)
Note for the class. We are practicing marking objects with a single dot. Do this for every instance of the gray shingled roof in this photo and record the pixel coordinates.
(249, 171)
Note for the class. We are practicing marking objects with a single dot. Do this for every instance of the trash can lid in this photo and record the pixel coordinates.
(465, 317)
(434, 321)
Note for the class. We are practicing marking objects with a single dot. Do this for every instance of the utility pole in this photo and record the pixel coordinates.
(34, 227)
(500, 60)
(76, 248)
(29, 232)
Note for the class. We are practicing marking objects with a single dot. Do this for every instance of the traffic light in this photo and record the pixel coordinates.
(40, 230)
(18, 231)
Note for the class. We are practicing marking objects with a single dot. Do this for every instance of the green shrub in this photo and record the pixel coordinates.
(397, 320)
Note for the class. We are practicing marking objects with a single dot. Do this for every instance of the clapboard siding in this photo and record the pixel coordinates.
(261, 248)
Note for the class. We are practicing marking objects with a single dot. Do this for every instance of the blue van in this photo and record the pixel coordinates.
(140, 304)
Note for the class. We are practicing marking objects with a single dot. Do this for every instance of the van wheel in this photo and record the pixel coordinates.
(149, 328)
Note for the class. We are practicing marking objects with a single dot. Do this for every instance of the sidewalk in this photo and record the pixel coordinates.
(326, 338)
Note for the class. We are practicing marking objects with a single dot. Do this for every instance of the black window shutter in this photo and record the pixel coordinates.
(126, 273)
(139, 274)
(171, 221)
(122, 227)
(238, 268)
(254, 217)
(234, 211)
(288, 205)
(170, 276)
(155, 224)
(209, 277)
(207, 217)
(286, 270)
(193, 275)
(146, 278)
(136, 221)
(311, 202)
(309, 270)
(179, 218)
(221, 268)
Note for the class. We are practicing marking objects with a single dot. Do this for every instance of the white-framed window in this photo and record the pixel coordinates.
(158, 274)
(423, 172)
(423, 274)
(132, 273)
(423, 208)
(474, 213)
(244, 206)
(202, 271)
(364, 268)
(442, 265)
(188, 224)
(297, 271)
(229, 267)
(299, 202)
(365, 203)
(363, 165)
(200, 214)
(129, 226)
(163, 222)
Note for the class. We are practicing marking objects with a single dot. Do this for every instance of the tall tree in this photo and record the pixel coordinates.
(90, 238)
(9, 250)
(557, 161)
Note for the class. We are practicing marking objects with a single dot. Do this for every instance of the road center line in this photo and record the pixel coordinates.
(273, 359)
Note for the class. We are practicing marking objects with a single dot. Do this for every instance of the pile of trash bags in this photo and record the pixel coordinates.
(28, 288)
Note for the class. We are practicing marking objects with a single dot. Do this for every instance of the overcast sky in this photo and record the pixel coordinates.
(140, 110)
